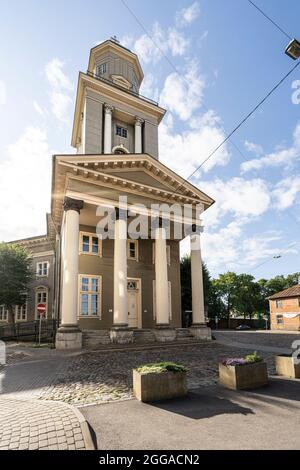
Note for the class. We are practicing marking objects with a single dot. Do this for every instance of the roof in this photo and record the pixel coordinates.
(293, 291)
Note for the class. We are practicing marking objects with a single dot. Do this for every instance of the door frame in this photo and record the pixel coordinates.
(139, 296)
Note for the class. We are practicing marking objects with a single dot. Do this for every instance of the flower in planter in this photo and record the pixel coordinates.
(160, 367)
(242, 361)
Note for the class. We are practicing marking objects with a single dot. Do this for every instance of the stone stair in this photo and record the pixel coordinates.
(93, 338)
(184, 334)
(143, 336)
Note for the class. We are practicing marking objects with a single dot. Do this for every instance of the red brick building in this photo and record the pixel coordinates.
(285, 309)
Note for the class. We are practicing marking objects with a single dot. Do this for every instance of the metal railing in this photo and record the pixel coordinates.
(130, 92)
(29, 331)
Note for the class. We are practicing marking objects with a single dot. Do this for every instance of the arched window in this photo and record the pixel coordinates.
(120, 149)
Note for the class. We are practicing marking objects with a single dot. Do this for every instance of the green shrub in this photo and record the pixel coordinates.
(160, 367)
(254, 357)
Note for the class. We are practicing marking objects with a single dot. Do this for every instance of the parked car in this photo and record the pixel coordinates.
(243, 327)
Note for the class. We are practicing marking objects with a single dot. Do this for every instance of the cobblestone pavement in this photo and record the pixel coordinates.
(32, 424)
(99, 377)
(267, 340)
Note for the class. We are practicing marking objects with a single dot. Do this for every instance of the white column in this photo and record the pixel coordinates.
(161, 278)
(107, 128)
(120, 272)
(138, 135)
(197, 281)
(70, 248)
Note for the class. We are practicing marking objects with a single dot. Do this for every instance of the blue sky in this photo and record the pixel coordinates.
(228, 56)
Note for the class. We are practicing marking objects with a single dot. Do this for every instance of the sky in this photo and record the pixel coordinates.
(216, 59)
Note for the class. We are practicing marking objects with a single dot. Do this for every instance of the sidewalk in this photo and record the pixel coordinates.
(43, 425)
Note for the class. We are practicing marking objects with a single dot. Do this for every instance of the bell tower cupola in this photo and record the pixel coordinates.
(111, 116)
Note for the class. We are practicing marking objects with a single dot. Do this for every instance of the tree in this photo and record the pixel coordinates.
(248, 295)
(15, 276)
(226, 288)
(186, 284)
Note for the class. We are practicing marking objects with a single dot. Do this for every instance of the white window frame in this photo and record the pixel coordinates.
(170, 299)
(279, 317)
(136, 247)
(42, 265)
(168, 254)
(101, 69)
(40, 291)
(3, 314)
(90, 292)
(22, 310)
(91, 236)
(122, 129)
(279, 303)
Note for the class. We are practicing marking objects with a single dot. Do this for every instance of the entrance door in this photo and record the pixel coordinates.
(133, 296)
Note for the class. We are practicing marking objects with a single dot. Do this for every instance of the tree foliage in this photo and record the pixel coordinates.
(15, 276)
(232, 293)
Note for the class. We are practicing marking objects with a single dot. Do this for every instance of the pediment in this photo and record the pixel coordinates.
(141, 176)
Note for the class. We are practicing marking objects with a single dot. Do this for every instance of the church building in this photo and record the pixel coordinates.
(117, 288)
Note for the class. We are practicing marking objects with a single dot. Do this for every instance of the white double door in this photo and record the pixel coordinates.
(134, 302)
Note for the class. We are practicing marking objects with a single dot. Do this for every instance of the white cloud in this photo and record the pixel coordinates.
(3, 93)
(149, 87)
(39, 109)
(183, 94)
(25, 186)
(280, 157)
(286, 192)
(60, 87)
(151, 49)
(183, 152)
(60, 105)
(255, 148)
(238, 197)
(187, 15)
(55, 75)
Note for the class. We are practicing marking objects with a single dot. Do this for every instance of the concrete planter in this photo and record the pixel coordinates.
(243, 377)
(159, 386)
(285, 365)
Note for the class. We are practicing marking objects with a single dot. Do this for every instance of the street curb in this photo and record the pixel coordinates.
(86, 434)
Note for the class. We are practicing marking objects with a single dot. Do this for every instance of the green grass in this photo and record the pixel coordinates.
(160, 367)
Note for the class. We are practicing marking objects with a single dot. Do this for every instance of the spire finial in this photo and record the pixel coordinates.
(115, 39)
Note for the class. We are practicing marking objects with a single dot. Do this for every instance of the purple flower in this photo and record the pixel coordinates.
(234, 361)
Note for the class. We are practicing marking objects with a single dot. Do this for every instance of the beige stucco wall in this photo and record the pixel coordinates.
(289, 305)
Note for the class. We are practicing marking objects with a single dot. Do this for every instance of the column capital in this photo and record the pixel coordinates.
(72, 204)
(139, 121)
(108, 108)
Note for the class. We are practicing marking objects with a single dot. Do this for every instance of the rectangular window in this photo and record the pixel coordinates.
(90, 244)
(132, 249)
(121, 131)
(168, 254)
(279, 304)
(279, 319)
(89, 296)
(21, 312)
(101, 69)
(3, 313)
(41, 298)
(42, 269)
(299, 302)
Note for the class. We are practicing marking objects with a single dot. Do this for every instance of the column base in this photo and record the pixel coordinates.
(164, 333)
(201, 331)
(121, 335)
(68, 338)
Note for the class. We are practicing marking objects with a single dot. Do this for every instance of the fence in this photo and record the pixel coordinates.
(29, 331)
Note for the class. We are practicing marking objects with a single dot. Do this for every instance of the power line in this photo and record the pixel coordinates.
(253, 110)
(270, 19)
(274, 257)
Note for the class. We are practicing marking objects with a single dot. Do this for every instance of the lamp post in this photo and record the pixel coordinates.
(293, 49)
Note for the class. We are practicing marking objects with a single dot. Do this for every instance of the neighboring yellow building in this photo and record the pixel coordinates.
(285, 309)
